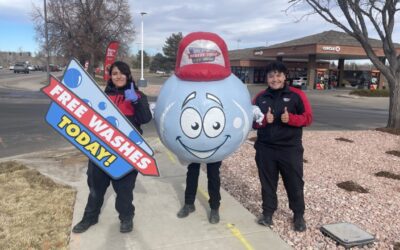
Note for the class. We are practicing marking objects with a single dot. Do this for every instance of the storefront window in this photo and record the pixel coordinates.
(242, 73)
(259, 75)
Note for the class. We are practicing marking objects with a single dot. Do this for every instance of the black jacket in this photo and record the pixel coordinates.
(137, 113)
(279, 133)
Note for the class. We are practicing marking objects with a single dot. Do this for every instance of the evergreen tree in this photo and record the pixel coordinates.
(137, 60)
(160, 63)
(170, 49)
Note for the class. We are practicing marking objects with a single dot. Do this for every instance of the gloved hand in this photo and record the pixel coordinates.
(258, 116)
(130, 94)
(152, 107)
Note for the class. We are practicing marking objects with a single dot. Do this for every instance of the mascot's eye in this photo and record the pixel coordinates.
(214, 122)
(216, 125)
(191, 122)
(195, 126)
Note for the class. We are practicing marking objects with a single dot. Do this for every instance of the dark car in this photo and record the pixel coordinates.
(54, 68)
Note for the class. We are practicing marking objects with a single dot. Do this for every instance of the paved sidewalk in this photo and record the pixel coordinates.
(157, 200)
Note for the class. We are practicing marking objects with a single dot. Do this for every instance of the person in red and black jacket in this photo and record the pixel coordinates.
(121, 89)
(279, 146)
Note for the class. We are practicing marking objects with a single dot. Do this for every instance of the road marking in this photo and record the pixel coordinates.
(236, 232)
(169, 154)
(203, 193)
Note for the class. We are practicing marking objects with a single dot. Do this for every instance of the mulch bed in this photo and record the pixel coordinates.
(387, 174)
(344, 139)
(352, 186)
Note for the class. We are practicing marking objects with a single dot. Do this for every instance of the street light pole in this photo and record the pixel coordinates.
(47, 42)
(142, 81)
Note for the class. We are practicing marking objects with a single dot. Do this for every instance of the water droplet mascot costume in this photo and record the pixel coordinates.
(203, 112)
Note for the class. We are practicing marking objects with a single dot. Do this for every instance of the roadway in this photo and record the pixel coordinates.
(23, 108)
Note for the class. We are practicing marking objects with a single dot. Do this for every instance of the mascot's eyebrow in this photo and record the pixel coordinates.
(214, 98)
(191, 96)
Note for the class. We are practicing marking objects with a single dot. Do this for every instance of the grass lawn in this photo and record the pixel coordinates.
(35, 212)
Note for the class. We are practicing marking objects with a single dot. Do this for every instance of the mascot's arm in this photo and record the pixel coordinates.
(152, 108)
(258, 118)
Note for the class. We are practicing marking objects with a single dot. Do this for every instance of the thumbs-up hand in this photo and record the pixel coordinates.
(270, 116)
(285, 116)
(130, 94)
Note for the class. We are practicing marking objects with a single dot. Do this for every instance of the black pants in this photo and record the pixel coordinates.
(214, 183)
(98, 182)
(288, 161)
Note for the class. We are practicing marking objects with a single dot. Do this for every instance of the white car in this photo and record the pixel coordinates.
(299, 81)
(11, 67)
(1, 67)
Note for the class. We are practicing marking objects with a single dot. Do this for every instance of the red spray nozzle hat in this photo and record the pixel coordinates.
(202, 56)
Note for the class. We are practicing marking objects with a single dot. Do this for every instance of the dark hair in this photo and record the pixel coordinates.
(276, 66)
(124, 68)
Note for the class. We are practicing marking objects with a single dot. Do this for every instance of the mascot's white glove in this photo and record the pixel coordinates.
(258, 116)
(152, 107)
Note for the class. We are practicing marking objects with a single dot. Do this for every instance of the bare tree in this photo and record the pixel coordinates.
(83, 28)
(361, 17)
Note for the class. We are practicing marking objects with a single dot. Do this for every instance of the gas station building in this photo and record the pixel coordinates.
(308, 56)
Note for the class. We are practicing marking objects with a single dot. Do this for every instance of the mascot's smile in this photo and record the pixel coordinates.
(202, 154)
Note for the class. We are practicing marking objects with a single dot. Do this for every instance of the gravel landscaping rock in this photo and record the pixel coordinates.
(329, 161)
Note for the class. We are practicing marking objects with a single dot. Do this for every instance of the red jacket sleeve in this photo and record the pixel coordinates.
(304, 119)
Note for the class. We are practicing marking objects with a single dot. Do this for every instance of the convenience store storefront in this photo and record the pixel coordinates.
(308, 56)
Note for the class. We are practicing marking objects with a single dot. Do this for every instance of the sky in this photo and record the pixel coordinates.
(242, 24)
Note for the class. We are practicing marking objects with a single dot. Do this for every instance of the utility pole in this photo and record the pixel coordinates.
(47, 42)
(142, 81)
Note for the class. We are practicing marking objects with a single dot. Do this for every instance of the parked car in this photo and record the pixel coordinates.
(1, 67)
(54, 68)
(31, 68)
(299, 81)
(21, 67)
(11, 67)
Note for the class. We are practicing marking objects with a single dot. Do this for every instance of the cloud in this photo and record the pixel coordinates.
(17, 10)
(242, 24)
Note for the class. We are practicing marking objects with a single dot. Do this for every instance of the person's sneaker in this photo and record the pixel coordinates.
(265, 220)
(214, 216)
(299, 223)
(185, 210)
(84, 225)
(126, 226)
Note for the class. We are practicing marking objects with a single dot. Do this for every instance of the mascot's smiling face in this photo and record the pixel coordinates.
(203, 112)
(203, 121)
(211, 125)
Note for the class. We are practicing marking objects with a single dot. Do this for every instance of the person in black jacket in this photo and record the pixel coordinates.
(279, 146)
(121, 89)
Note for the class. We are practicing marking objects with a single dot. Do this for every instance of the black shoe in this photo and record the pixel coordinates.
(126, 226)
(265, 220)
(214, 216)
(84, 225)
(299, 223)
(185, 210)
